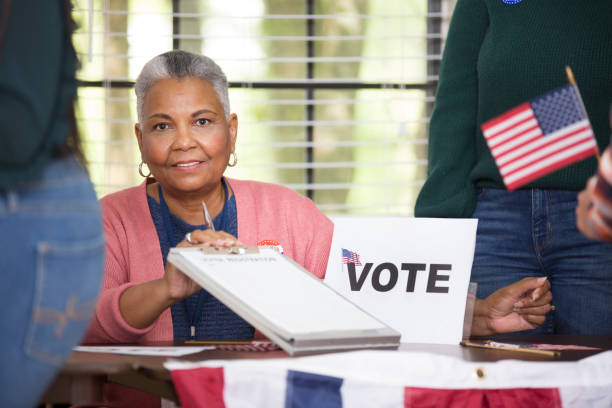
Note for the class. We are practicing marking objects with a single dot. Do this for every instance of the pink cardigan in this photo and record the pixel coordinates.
(133, 255)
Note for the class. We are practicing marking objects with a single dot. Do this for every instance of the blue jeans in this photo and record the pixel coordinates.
(51, 266)
(533, 233)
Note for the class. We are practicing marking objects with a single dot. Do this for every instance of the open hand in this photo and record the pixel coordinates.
(522, 305)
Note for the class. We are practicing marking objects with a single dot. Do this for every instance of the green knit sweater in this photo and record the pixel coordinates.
(37, 87)
(496, 57)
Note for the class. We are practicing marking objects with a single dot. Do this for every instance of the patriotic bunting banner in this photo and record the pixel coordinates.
(540, 136)
(393, 379)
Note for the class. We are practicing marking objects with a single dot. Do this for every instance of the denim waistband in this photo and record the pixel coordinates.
(526, 193)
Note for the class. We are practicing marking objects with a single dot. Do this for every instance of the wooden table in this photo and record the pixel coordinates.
(84, 374)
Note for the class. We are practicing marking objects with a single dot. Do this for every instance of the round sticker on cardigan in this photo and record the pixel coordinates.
(272, 243)
(511, 1)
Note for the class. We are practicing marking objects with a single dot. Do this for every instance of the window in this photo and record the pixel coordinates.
(333, 97)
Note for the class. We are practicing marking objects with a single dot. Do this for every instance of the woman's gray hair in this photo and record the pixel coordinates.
(180, 64)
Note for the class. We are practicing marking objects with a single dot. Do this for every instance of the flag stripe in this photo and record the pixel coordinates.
(357, 394)
(561, 155)
(239, 383)
(517, 142)
(312, 390)
(199, 387)
(542, 172)
(475, 398)
(514, 132)
(540, 142)
(555, 135)
(551, 164)
(543, 151)
(590, 395)
(505, 120)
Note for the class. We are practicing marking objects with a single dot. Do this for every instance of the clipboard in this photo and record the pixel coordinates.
(282, 300)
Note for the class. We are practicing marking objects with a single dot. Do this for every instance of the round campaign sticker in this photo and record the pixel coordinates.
(272, 243)
(511, 1)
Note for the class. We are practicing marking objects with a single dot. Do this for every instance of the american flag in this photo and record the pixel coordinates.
(538, 137)
(350, 256)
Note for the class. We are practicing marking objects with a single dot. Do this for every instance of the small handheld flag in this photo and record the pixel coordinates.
(540, 136)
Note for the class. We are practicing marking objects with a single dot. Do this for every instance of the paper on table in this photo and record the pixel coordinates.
(144, 351)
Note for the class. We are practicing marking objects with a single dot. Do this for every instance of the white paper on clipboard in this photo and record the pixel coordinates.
(282, 300)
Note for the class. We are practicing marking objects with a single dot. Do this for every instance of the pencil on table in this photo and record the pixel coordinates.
(509, 347)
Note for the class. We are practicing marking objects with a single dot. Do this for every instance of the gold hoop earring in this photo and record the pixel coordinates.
(140, 170)
(230, 163)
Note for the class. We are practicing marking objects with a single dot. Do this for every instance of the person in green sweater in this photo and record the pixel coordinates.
(499, 54)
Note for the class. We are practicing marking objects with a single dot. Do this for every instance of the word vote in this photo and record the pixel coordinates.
(356, 280)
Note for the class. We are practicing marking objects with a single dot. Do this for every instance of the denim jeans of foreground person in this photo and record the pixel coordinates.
(51, 266)
(533, 232)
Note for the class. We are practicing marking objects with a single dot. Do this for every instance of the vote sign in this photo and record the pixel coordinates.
(411, 273)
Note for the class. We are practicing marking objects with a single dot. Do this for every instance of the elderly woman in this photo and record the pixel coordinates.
(187, 138)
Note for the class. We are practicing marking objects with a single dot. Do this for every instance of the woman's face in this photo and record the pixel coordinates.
(184, 138)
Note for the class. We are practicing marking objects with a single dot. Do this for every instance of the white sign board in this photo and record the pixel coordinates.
(411, 273)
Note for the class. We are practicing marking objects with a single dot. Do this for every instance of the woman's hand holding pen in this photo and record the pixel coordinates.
(178, 285)
(520, 306)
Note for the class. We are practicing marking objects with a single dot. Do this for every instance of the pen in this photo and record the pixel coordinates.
(510, 347)
(207, 217)
(215, 342)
